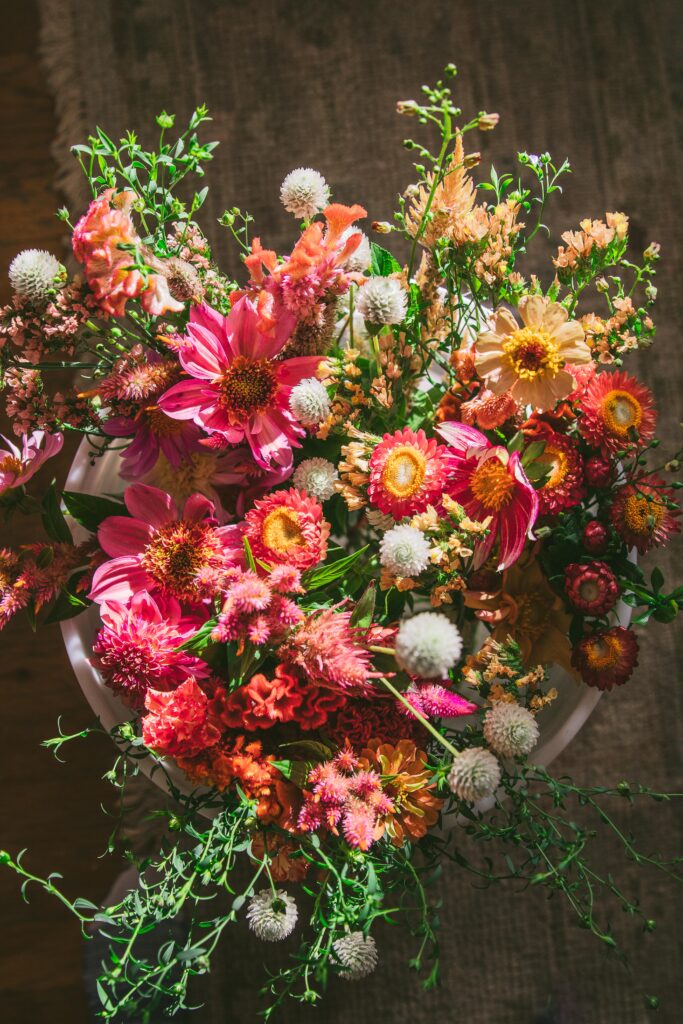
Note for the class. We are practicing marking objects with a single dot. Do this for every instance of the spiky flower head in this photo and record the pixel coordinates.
(474, 775)
(510, 730)
(357, 954)
(304, 192)
(382, 300)
(33, 273)
(317, 477)
(310, 402)
(272, 914)
(428, 645)
(359, 261)
(404, 551)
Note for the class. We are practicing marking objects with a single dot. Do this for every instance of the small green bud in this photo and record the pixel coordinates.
(650, 925)
(624, 789)
(4, 857)
(652, 1002)
(451, 70)
(165, 120)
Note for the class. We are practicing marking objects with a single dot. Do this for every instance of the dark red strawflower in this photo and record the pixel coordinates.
(595, 537)
(592, 588)
(607, 658)
(598, 472)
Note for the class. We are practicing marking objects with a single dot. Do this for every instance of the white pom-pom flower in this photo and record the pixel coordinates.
(382, 300)
(310, 402)
(404, 551)
(428, 645)
(33, 274)
(510, 730)
(474, 774)
(317, 477)
(304, 192)
(272, 914)
(357, 955)
(360, 260)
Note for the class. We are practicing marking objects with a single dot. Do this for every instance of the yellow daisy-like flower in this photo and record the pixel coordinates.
(529, 361)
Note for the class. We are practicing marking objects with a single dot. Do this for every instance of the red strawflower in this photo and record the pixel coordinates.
(598, 472)
(564, 486)
(288, 527)
(595, 537)
(606, 658)
(407, 473)
(641, 513)
(616, 412)
(591, 588)
(179, 723)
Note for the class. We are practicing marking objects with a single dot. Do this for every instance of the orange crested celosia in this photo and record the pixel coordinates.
(406, 780)
(529, 361)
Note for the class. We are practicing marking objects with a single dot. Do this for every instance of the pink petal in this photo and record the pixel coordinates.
(198, 507)
(268, 438)
(185, 400)
(462, 437)
(118, 580)
(291, 371)
(121, 535)
(119, 426)
(202, 354)
(150, 505)
(483, 548)
(244, 337)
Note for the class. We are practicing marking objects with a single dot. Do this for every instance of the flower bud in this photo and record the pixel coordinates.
(652, 252)
(595, 537)
(408, 108)
(598, 471)
(382, 227)
(471, 160)
(487, 122)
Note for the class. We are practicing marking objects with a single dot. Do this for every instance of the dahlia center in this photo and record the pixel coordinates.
(404, 471)
(643, 515)
(492, 485)
(531, 351)
(162, 425)
(281, 530)
(248, 386)
(10, 464)
(621, 412)
(176, 556)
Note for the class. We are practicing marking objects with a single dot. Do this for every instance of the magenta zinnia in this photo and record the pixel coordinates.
(237, 390)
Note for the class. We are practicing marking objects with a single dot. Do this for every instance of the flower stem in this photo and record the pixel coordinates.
(425, 722)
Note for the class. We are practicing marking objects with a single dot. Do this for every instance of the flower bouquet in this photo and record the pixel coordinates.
(335, 523)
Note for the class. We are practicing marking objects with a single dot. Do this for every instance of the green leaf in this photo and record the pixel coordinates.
(323, 575)
(89, 509)
(202, 638)
(248, 554)
(382, 262)
(365, 608)
(657, 579)
(66, 607)
(53, 519)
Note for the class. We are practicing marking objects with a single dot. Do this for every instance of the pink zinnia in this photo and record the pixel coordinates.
(490, 484)
(238, 390)
(179, 722)
(17, 465)
(137, 647)
(98, 237)
(157, 548)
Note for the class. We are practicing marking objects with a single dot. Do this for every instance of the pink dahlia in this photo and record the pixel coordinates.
(157, 548)
(592, 588)
(154, 433)
(616, 412)
(137, 648)
(407, 473)
(17, 465)
(178, 723)
(644, 513)
(101, 242)
(287, 527)
(237, 389)
(490, 484)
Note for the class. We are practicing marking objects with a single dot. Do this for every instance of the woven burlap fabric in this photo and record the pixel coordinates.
(313, 83)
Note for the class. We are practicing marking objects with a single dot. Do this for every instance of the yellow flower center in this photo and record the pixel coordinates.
(248, 386)
(161, 424)
(176, 555)
(10, 464)
(404, 471)
(533, 614)
(603, 652)
(281, 530)
(532, 352)
(621, 412)
(558, 463)
(492, 485)
(642, 515)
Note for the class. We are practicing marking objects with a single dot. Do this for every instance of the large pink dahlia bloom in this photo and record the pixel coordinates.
(490, 483)
(237, 390)
(157, 548)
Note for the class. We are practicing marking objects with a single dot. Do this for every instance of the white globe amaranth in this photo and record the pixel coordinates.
(382, 300)
(33, 274)
(317, 477)
(304, 192)
(272, 914)
(475, 774)
(357, 955)
(404, 551)
(428, 645)
(361, 258)
(510, 730)
(310, 402)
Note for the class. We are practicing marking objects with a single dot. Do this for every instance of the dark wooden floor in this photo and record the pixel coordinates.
(50, 808)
